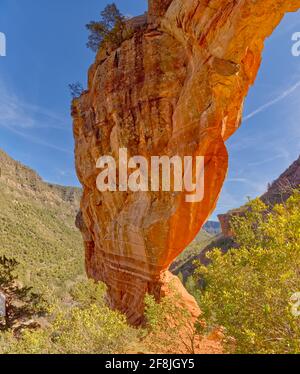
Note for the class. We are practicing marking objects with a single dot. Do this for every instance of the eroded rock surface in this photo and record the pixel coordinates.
(176, 88)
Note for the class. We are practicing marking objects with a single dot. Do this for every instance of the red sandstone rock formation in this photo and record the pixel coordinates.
(177, 87)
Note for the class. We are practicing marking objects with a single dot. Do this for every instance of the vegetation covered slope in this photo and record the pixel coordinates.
(37, 228)
(202, 240)
(253, 290)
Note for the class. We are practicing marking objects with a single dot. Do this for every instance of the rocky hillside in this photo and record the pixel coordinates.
(37, 227)
(212, 227)
(278, 192)
(23, 181)
(280, 189)
(202, 240)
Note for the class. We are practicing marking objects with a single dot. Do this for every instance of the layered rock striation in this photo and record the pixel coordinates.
(176, 87)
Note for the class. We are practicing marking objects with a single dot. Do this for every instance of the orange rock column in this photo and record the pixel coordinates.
(175, 88)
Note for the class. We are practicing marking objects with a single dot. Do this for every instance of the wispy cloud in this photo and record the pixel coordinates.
(65, 173)
(36, 140)
(283, 155)
(21, 118)
(270, 103)
(17, 112)
(256, 187)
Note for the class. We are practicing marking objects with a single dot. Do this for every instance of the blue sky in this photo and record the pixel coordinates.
(46, 51)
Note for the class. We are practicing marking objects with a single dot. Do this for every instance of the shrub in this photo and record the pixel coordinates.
(89, 292)
(91, 330)
(171, 328)
(86, 328)
(248, 290)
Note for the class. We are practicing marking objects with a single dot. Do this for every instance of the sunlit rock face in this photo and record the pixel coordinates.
(177, 87)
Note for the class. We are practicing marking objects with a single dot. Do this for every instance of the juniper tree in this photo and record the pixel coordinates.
(76, 89)
(110, 29)
(21, 303)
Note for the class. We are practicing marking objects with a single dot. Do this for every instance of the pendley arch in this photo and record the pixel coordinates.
(178, 89)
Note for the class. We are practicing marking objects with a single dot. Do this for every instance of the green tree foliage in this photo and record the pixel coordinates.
(180, 276)
(249, 289)
(111, 29)
(22, 305)
(87, 327)
(76, 89)
(191, 285)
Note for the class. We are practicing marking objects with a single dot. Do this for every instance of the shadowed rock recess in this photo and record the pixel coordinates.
(177, 87)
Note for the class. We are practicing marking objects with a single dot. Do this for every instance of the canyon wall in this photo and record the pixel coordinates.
(176, 87)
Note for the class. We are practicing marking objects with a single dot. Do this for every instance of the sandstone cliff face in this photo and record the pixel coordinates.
(176, 88)
(225, 221)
